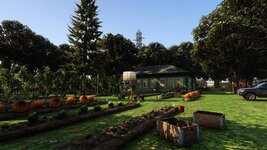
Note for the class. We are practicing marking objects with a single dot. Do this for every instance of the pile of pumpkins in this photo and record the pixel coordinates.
(192, 95)
(22, 106)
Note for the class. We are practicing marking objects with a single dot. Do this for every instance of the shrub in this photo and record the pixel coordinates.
(110, 104)
(84, 109)
(97, 108)
(62, 114)
(120, 104)
(33, 117)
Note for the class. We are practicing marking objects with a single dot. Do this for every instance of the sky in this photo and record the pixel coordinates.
(169, 22)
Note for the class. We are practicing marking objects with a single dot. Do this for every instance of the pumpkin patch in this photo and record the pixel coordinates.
(90, 98)
(55, 103)
(2, 107)
(20, 106)
(70, 100)
(84, 100)
(37, 104)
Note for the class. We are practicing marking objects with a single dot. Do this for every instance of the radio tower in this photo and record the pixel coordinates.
(139, 39)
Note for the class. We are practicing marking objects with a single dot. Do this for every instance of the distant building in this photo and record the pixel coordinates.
(163, 78)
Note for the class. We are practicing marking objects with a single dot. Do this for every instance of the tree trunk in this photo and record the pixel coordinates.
(83, 84)
(216, 84)
(235, 83)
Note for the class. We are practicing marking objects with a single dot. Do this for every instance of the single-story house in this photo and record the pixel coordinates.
(163, 78)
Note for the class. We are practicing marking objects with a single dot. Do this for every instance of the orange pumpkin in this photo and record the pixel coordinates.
(37, 104)
(70, 100)
(55, 103)
(2, 107)
(20, 106)
(83, 100)
(90, 98)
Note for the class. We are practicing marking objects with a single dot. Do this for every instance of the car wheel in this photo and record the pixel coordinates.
(250, 96)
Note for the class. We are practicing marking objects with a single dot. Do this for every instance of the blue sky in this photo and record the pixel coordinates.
(169, 22)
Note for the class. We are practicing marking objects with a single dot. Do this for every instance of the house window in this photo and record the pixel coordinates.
(171, 83)
(162, 82)
(144, 83)
(153, 84)
(179, 83)
(138, 83)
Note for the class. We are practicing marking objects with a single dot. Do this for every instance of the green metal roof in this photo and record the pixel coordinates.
(160, 70)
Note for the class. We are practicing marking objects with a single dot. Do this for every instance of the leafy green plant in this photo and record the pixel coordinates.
(84, 109)
(120, 104)
(97, 108)
(110, 104)
(61, 114)
(33, 117)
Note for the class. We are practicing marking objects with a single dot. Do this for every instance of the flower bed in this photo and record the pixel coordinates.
(10, 132)
(47, 109)
(116, 136)
(209, 119)
(179, 131)
(192, 95)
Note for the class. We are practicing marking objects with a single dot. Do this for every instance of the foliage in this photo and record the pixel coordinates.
(84, 109)
(110, 104)
(16, 83)
(97, 108)
(61, 114)
(33, 117)
(153, 54)
(231, 40)
(19, 45)
(44, 79)
(83, 35)
(120, 104)
(119, 54)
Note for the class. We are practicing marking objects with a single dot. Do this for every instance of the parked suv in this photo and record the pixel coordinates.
(251, 93)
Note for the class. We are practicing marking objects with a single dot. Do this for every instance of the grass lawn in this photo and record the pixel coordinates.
(246, 125)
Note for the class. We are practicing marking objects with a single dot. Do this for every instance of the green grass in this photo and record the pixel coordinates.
(246, 125)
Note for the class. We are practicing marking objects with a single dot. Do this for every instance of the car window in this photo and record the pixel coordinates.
(264, 86)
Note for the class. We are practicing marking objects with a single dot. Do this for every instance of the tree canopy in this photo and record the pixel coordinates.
(231, 40)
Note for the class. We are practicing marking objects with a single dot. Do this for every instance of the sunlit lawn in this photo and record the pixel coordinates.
(246, 125)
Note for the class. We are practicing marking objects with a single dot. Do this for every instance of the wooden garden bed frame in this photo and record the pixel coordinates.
(179, 131)
(53, 124)
(114, 137)
(209, 119)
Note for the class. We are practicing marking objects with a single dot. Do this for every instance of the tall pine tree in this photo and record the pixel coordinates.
(83, 36)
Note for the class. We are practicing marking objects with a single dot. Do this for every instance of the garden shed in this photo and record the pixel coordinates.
(163, 78)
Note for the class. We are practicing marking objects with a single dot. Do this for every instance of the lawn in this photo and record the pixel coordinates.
(246, 125)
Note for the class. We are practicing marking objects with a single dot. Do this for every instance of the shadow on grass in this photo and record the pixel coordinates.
(217, 93)
(256, 100)
(52, 139)
(162, 100)
(235, 136)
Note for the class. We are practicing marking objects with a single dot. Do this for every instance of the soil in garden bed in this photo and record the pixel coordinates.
(177, 122)
(114, 137)
(209, 113)
(10, 132)
(12, 115)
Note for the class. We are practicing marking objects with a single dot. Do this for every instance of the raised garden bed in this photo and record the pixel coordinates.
(12, 115)
(179, 131)
(166, 95)
(114, 137)
(10, 132)
(148, 94)
(209, 119)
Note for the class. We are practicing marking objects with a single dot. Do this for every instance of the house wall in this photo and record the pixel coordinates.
(151, 84)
